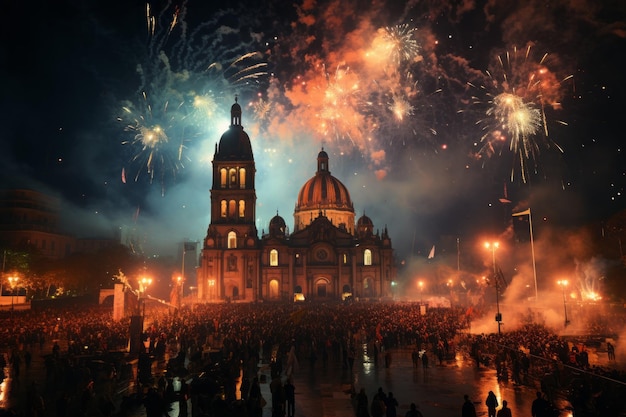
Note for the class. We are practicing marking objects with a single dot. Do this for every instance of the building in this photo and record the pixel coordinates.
(31, 219)
(327, 257)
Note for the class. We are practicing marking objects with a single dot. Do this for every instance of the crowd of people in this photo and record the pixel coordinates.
(562, 367)
(220, 345)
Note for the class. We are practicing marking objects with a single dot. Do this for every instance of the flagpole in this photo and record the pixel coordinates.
(182, 280)
(532, 245)
(458, 255)
(532, 249)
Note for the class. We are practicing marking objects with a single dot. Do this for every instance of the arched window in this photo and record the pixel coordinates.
(345, 258)
(235, 292)
(242, 208)
(223, 177)
(233, 177)
(242, 178)
(367, 257)
(273, 257)
(232, 208)
(223, 208)
(232, 240)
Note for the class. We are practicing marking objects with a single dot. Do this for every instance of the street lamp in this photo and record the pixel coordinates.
(13, 283)
(179, 281)
(563, 284)
(144, 284)
(493, 246)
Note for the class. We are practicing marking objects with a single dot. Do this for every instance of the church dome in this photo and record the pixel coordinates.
(324, 195)
(364, 221)
(278, 227)
(364, 227)
(235, 143)
(323, 191)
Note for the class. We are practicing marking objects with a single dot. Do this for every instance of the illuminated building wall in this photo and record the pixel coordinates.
(327, 257)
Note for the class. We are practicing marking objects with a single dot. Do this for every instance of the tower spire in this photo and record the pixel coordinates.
(235, 113)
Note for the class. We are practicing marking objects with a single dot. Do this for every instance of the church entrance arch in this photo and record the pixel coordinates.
(274, 292)
(322, 288)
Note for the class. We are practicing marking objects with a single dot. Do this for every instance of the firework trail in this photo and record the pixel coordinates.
(183, 78)
(518, 92)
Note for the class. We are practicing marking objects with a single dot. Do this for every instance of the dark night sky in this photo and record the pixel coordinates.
(69, 68)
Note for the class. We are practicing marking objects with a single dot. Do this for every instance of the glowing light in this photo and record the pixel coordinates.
(492, 245)
(144, 283)
(590, 296)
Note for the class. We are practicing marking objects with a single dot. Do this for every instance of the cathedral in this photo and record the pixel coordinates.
(328, 256)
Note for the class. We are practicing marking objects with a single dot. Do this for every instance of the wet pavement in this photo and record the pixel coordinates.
(438, 389)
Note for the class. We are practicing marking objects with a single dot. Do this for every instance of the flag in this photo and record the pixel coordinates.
(431, 255)
(189, 246)
(522, 213)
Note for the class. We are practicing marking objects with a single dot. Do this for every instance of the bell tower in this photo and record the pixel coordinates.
(229, 264)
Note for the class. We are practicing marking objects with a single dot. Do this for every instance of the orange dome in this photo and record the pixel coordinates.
(323, 191)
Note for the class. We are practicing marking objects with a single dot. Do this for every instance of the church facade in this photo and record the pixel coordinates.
(328, 256)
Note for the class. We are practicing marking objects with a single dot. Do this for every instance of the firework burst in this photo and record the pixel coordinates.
(518, 92)
(329, 104)
(401, 107)
(262, 109)
(352, 89)
(181, 90)
(154, 151)
(393, 46)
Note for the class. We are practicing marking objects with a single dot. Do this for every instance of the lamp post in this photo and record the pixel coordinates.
(179, 281)
(145, 283)
(493, 246)
(563, 284)
(13, 283)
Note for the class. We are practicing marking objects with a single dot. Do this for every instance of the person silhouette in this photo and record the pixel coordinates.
(492, 403)
(468, 409)
(504, 411)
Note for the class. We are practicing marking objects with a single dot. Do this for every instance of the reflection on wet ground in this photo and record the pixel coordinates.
(437, 389)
